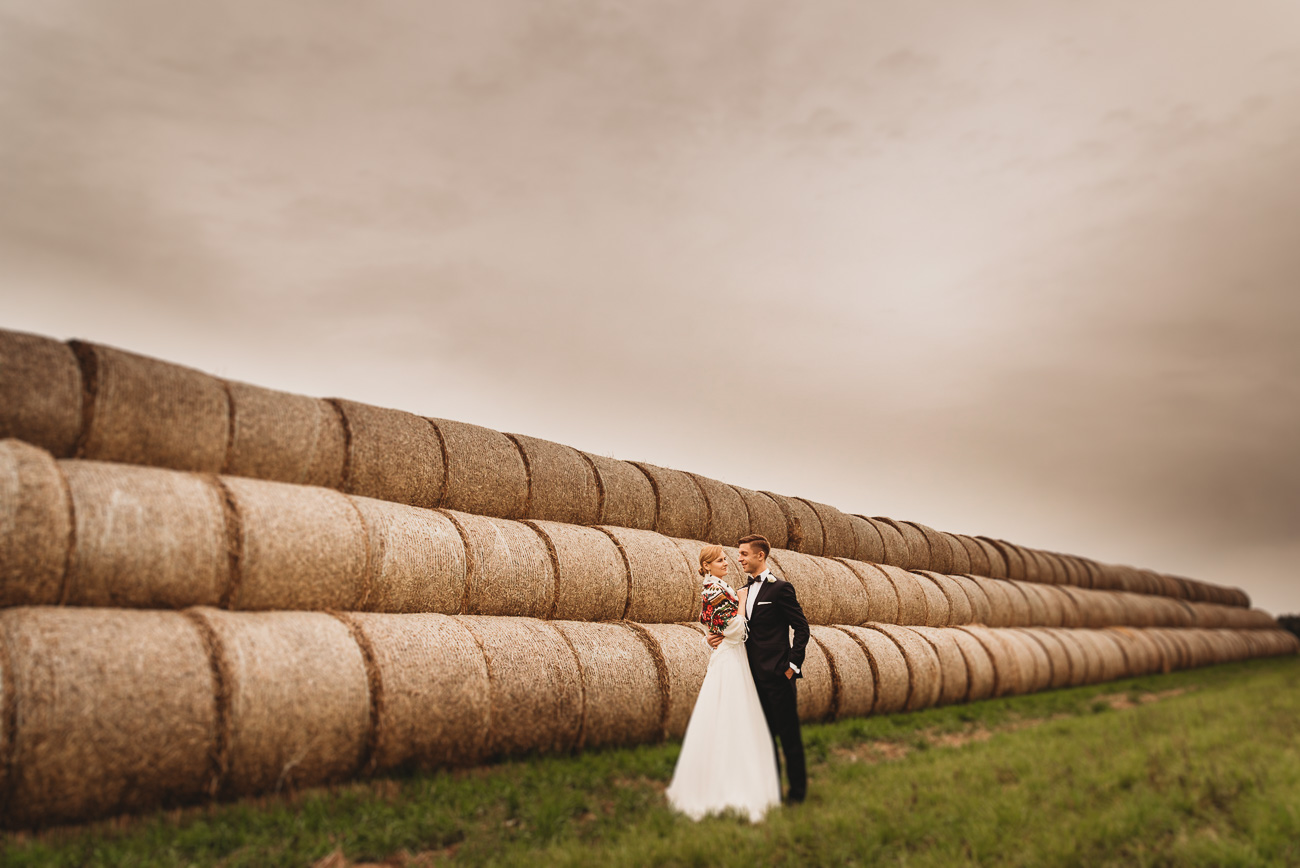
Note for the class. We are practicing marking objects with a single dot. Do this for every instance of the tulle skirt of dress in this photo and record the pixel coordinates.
(727, 759)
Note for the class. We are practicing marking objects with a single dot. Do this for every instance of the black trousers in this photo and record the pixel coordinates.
(781, 708)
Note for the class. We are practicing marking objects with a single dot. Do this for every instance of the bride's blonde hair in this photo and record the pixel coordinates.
(708, 555)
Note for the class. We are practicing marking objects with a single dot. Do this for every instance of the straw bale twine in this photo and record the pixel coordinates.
(1006, 660)
(392, 455)
(854, 686)
(485, 471)
(591, 578)
(975, 554)
(980, 678)
(959, 559)
(284, 437)
(111, 711)
(416, 558)
(562, 482)
(300, 698)
(847, 598)
(981, 608)
(765, 517)
(728, 515)
(535, 685)
(1011, 557)
(839, 540)
(953, 683)
(299, 547)
(897, 553)
(680, 508)
(924, 674)
(1035, 667)
(889, 670)
(997, 561)
(960, 610)
(686, 658)
(816, 689)
(35, 524)
(1035, 602)
(146, 411)
(869, 547)
(664, 585)
(1058, 659)
(623, 698)
(627, 499)
(146, 537)
(435, 692)
(40, 392)
(1001, 612)
(509, 569)
(803, 528)
(811, 584)
(913, 607)
(882, 599)
(938, 613)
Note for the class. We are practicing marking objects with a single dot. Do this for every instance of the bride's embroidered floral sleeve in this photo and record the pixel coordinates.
(719, 606)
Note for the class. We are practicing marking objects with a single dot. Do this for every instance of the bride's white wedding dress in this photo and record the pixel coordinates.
(727, 759)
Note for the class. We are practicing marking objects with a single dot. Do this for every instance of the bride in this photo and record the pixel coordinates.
(727, 759)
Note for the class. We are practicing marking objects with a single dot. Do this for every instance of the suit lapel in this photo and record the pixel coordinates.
(762, 591)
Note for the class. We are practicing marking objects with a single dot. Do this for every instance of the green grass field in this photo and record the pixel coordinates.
(1194, 768)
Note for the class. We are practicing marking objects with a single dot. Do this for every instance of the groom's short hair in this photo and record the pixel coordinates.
(756, 541)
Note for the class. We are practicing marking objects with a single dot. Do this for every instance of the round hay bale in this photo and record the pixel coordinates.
(953, 684)
(1035, 570)
(680, 508)
(854, 687)
(1058, 659)
(869, 547)
(1176, 652)
(111, 710)
(728, 515)
(591, 577)
(804, 532)
(1053, 571)
(924, 674)
(626, 497)
(1053, 609)
(1000, 612)
(623, 697)
(975, 555)
(1090, 571)
(980, 678)
(1011, 557)
(1035, 666)
(35, 525)
(1018, 611)
(284, 437)
(392, 455)
(485, 471)
(1077, 659)
(938, 613)
(416, 558)
(811, 584)
(960, 610)
(882, 599)
(940, 557)
(664, 585)
(765, 517)
(300, 548)
(508, 566)
(535, 685)
(690, 549)
(300, 699)
(997, 561)
(1139, 655)
(981, 608)
(685, 657)
(1036, 604)
(147, 411)
(1113, 662)
(897, 553)
(839, 540)
(847, 599)
(913, 607)
(48, 416)
(959, 559)
(924, 553)
(889, 670)
(815, 691)
(1006, 659)
(146, 538)
(435, 692)
(1087, 608)
(1059, 599)
(562, 482)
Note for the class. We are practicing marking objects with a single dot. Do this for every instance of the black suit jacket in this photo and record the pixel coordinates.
(768, 646)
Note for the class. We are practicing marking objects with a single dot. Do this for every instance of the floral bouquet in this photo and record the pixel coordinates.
(719, 606)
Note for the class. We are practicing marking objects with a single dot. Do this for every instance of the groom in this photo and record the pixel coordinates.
(772, 610)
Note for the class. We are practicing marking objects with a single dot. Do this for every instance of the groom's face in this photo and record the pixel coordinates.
(752, 560)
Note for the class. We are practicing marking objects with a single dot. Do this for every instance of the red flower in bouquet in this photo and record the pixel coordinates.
(719, 605)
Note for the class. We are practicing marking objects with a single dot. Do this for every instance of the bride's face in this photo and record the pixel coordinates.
(718, 568)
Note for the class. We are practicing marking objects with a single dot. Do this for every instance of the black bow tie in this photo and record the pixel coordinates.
(752, 581)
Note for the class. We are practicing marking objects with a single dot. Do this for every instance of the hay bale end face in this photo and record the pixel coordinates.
(959, 559)
(562, 483)
(960, 610)
(981, 608)
(685, 657)
(918, 547)
(485, 471)
(882, 599)
(623, 701)
(938, 611)
(765, 517)
(980, 678)
(848, 598)
(627, 499)
(728, 515)
(1007, 678)
(416, 557)
(913, 606)
(953, 683)
(804, 532)
(680, 508)
(815, 691)
(664, 583)
(997, 562)
(897, 553)
(888, 667)
(839, 540)
(115, 711)
(811, 584)
(855, 689)
(35, 525)
(284, 437)
(1000, 612)
(975, 554)
(509, 569)
(40, 392)
(869, 547)
(940, 552)
(924, 675)
(392, 455)
(147, 411)
(591, 578)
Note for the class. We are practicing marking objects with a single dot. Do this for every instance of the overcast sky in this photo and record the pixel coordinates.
(1022, 269)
